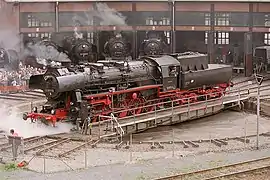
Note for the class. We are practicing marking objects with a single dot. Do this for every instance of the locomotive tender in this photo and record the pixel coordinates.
(123, 88)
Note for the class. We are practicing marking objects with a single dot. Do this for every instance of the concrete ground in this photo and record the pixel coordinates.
(222, 125)
(227, 124)
(149, 169)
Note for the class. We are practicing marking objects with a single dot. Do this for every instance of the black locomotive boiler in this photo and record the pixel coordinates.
(154, 44)
(117, 48)
(123, 88)
(79, 50)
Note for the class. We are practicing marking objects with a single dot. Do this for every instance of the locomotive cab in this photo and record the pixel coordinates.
(169, 68)
(261, 59)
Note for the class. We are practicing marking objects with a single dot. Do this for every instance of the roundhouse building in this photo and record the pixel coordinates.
(226, 30)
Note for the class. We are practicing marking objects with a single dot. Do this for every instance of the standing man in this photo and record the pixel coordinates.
(13, 140)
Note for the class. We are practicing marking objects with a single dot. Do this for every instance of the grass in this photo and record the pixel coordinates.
(9, 167)
(141, 177)
(216, 163)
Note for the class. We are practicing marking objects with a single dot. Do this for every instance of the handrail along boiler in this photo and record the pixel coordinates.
(125, 88)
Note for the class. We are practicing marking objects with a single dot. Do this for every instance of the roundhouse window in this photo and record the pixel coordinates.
(219, 38)
(267, 38)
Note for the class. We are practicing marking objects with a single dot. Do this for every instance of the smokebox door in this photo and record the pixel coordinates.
(36, 82)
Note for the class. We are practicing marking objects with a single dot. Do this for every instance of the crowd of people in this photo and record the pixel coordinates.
(17, 78)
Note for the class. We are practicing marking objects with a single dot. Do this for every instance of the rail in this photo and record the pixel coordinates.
(238, 173)
(226, 94)
(161, 106)
(13, 89)
(221, 171)
(113, 119)
(170, 111)
(118, 126)
(165, 116)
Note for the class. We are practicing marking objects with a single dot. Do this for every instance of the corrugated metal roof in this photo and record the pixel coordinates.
(22, 1)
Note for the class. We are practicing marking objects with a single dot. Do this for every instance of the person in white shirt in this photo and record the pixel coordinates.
(14, 83)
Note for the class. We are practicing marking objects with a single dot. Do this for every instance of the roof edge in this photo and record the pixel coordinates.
(42, 1)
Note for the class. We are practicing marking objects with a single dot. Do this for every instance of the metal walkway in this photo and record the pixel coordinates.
(166, 116)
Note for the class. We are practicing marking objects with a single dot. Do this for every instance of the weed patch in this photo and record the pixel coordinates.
(9, 167)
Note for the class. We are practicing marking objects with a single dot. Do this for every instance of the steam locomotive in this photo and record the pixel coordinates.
(79, 50)
(9, 59)
(94, 89)
(117, 47)
(154, 44)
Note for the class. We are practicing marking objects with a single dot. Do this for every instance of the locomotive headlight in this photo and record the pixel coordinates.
(192, 81)
(34, 109)
(52, 111)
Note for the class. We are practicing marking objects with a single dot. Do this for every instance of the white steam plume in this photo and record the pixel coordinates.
(77, 33)
(76, 23)
(12, 119)
(44, 53)
(108, 16)
(9, 36)
(105, 15)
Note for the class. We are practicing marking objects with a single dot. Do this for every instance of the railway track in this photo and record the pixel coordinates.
(49, 146)
(23, 96)
(214, 144)
(225, 171)
(236, 175)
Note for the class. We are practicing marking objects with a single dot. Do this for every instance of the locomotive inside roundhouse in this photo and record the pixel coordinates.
(118, 47)
(154, 44)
